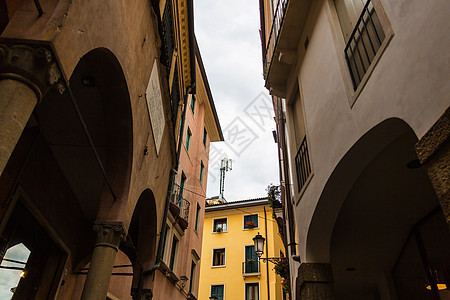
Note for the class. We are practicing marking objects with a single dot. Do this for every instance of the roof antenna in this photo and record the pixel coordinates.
(225, 166)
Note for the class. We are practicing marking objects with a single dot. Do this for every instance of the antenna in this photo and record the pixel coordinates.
(225, 166)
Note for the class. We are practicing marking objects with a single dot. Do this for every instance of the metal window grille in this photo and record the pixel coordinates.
(363, 44)
(302, 164)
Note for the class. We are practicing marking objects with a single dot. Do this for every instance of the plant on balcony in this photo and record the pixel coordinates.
(219, 229)
(282, 268)
(250, 224)
(274, 195)
(285, 285)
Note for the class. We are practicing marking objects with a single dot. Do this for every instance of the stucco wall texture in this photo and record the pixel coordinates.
(403, 85)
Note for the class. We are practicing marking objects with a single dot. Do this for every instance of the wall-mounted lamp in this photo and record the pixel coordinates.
(258, 241)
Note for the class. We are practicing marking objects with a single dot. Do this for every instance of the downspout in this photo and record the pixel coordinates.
(288, 203)
(283, 200)
(267, 254)
(166, 208)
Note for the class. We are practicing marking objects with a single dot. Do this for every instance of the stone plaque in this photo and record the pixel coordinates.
(155, 106)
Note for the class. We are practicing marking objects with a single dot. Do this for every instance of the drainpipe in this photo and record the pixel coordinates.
(166, 208)
(288, 203)
(267, 254)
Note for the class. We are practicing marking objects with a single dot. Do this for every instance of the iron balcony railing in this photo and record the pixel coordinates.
(363, 44)
(176, 198)
(277, 22)
(302, 164)
(251, 268)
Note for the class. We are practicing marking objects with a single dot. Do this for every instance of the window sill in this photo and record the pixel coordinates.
(215, 267)
(250, 228)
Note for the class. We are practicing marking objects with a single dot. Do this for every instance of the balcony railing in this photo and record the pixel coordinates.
(179, 204)
(302, 164)
(251, 268)
(363, 43)
(277, 22)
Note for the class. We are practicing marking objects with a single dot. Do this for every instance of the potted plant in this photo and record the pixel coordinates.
(250, 224)
(219, 229)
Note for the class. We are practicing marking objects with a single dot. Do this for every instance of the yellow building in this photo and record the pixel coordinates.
(230, 268)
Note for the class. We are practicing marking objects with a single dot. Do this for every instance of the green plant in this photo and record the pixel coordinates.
(285, 285)
(273, 195)
(282, 268)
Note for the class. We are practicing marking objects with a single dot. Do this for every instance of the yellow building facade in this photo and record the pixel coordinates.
(229, 267)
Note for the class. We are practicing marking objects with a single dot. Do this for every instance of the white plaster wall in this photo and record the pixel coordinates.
(410, 82)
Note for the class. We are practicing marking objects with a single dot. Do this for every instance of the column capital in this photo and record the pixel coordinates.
(314, 281)
(109, 234)
(31, 63)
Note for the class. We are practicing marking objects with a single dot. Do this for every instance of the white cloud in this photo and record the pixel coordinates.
(228, 37)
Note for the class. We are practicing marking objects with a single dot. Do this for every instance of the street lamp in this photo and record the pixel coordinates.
(258, 240)
(213, 297)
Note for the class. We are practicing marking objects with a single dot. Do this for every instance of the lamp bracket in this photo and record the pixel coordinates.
(273, 260)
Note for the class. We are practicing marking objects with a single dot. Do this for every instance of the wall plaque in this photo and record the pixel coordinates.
(155, 106)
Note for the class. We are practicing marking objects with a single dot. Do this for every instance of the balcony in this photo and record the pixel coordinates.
(179, 207)
(251, 268)
(281, 47)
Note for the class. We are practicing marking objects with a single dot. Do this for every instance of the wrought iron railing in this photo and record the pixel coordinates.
(251, 268)
(177, 199)
(277, 22)
(302, 164)
(363, 44)
(167, 36)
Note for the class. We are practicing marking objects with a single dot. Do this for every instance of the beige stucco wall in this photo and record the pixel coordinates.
(409, 82)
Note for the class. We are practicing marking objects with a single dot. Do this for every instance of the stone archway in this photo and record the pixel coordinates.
(368, 211)
(141, 244)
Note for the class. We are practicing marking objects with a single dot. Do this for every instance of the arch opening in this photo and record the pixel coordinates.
(101, 94)
(368, 216)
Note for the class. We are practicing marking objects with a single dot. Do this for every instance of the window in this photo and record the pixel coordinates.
(192, 104)
(197, 217)
(188, 138)
(220, 225)
(166, 232)
(218, 291)
(252, 291)
(218, 257)
(202, 167)
(182, 183)
(251, 221)
(173, 253)
(302, 162)
(363, 34)
(192, 278)
(205, 136)
(251, 260)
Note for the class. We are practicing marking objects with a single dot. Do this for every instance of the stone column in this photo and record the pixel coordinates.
(26, 74)
(314, 281)
(433, 151)
(109, 236)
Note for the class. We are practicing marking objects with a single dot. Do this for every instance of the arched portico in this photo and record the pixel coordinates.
(373, 203)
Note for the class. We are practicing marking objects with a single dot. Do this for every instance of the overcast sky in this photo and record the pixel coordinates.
(227, 32)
